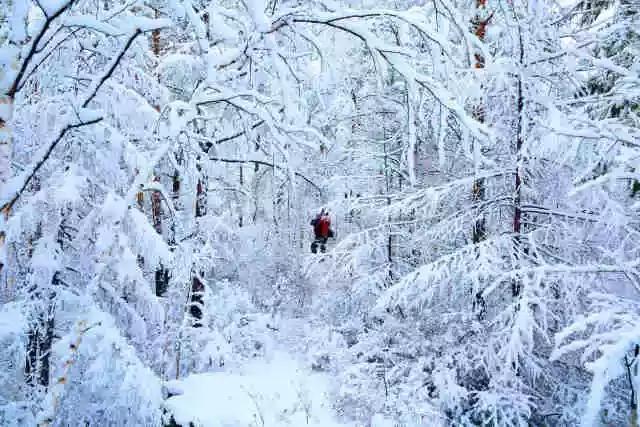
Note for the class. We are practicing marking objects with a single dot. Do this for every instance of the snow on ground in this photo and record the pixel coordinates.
(273, 392)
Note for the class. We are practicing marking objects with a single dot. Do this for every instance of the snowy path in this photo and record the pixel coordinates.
(279, 390)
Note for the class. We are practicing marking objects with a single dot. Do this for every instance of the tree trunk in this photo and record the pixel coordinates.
(8, 89)
(40, 334)
(39, 342)
(516, 285)
(479, 232)
(156, 209)
(140, 200)
(6, 135)
(6, 138)
(7, 97)
(155, 37)
(478, 191)
(240, 208)
(201, 193)
(161, 274)
(387, 181)
(196, 305)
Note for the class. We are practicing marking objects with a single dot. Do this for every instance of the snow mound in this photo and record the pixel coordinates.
(276, 392)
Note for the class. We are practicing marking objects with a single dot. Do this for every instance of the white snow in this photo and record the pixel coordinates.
(89, 115)
(12, 320)
(257, 12)
(51, 7)
(378, 113)
(276, 392)
(144, 24)
(218, 25)
(91, 22)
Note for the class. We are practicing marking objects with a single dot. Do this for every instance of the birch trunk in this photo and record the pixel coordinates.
(11, 40)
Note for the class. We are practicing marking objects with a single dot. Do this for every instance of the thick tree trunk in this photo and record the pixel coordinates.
(6, 138)
(39, 342)
(196, 306)
(7, 97)
(40, 334)
(6, 135)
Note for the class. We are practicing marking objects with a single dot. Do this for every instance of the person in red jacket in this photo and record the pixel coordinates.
(321, 230)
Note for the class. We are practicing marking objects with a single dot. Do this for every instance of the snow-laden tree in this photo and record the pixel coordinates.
(160, 161)
(604, 125)
(72, 228)
(473, 327)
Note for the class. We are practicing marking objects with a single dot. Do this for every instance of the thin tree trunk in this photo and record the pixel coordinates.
(201, 192)
(161, 274)
(140, 200)
(196, 303)
(478, 191)
(387, 180)
(479, 231)
(516, 285)
(241, 217)
(155, 37)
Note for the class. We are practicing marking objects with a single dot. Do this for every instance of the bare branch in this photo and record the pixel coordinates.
(13, 89)
(8, 205)
(271, 165)
(109, 72)
(35, 67)
(112, 67)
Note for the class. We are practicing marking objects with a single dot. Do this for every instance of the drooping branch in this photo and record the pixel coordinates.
(391, 54)
(44, 58)
(114, 63)
(9, 204)
(12, 199)
(34, 46)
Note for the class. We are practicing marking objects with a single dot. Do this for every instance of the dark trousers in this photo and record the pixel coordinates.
(321, 242)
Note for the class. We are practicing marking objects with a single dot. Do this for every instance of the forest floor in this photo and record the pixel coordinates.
(278, 389)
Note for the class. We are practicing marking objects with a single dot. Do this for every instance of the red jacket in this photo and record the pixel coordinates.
(322, 227)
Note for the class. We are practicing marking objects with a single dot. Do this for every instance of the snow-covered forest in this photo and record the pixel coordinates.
(161, 162)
